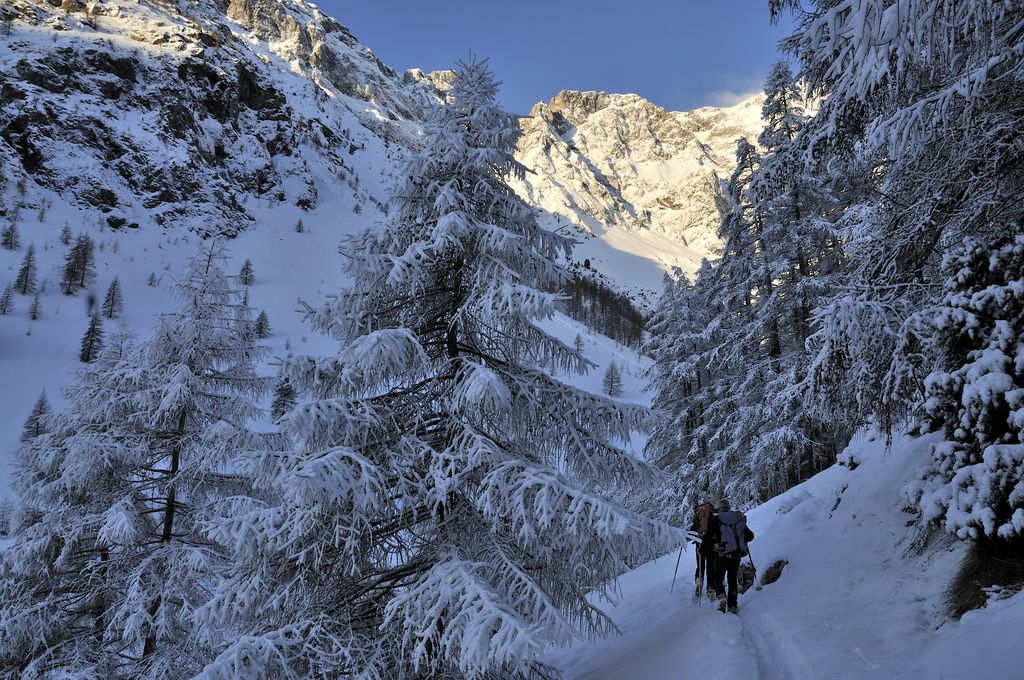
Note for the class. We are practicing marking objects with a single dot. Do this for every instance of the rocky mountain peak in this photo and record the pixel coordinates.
(620, 161)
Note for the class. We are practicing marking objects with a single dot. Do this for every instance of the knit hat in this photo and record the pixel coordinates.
(722, 504)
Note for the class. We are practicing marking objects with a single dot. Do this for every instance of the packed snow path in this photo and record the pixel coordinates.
(862, 597)
(682, 639)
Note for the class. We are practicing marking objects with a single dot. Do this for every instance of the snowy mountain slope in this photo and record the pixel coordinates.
(189, 114)
(861, 598)
(142, 123)
(631, 177)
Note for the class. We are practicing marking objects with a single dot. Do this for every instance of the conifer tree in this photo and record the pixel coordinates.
(151, 280)
(7, 300)
(65, 235)
(35, 424)
(299, 227)
(262, 327)
(113, 304)
(441, 495)
(284, 398)
(114, 565)
(245, 274)
(612, 381)
(578, 343)
(920, 131)
(92, 341)
(9, 238)
(79, 265)
(6, 516)
(25, 282)
(35, 309)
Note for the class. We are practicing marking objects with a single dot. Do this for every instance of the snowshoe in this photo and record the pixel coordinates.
(722, 602)
(734, 610)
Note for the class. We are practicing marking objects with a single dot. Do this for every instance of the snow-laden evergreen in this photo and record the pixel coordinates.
(730, 348)
(922, 132)
(109, 564)
(442, 513)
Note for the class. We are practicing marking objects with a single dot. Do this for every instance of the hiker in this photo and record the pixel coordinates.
(705, 550)
(729, 534)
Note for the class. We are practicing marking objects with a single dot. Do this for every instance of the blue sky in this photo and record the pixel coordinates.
(680, 54)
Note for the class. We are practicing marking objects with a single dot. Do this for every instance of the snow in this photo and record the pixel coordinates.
(632, 181)
(861, 598)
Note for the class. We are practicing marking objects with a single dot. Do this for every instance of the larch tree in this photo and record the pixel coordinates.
(113, 563)
(9, 238)
(440, 516)
(7, 299)
(612, 381)
(113, 303)
(35, 309)
(921, 115)
(92, 341)
(262, 326)
(25, 282)
(35, 424)
(246, 277)
(284, 398)
(79, 265)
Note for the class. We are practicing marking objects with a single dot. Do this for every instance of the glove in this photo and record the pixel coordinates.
(693, 537)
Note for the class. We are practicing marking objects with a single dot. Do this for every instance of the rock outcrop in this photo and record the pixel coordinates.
(624, 163)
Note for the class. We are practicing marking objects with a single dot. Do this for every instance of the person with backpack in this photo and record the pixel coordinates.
(705, 551)
(729, 534)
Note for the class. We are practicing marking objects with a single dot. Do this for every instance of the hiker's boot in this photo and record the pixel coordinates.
(734, 610)
(722, 603)
(712, 594)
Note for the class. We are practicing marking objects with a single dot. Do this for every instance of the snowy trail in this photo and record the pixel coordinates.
(857, 600)
(775, 659)
(665, 636)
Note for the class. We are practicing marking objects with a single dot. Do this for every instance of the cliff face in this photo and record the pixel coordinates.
(189, 113)
(622, 162)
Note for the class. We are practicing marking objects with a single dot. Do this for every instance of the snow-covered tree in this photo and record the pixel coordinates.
(921, 118)
(35, 424)
(7, 510)
(112, 563)
(79, 265)
(35, 309)
(731, 365)
(92, 341)
(25, 282)
(7, 299)
(65, 235)
(262, 326)
(245, 274)
(439, 517)
(976, 485)
(113, 303)
(284, 398)
(612, 381)
(9, 238)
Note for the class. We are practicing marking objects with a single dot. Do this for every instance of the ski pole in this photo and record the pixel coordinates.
(676, 573)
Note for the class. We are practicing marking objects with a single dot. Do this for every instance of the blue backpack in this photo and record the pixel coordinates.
(733, 540)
